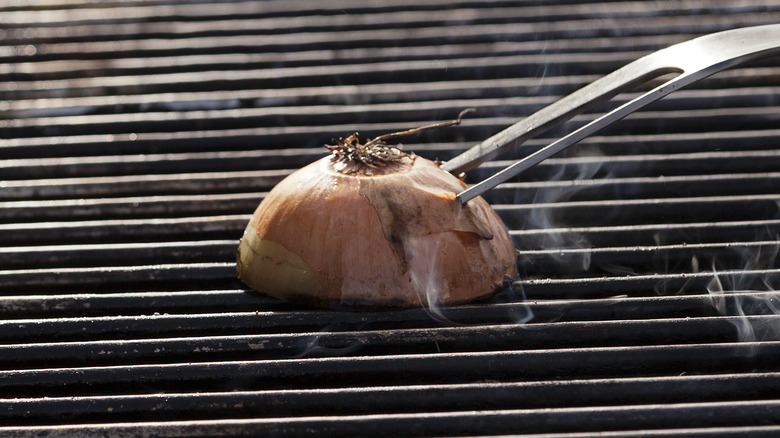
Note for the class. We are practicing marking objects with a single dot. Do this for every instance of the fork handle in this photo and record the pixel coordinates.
(601, 90)
(694, 60)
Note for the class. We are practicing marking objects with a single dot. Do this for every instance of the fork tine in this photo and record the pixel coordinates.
(694, 60)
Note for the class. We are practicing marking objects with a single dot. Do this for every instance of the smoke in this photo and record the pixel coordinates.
(748, 292)
(320, 345)
(545, 219)
(429, 282)
(521, 312)
(426, 276)
(741, 279)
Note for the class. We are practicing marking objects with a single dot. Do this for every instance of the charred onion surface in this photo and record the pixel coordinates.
(373, 226)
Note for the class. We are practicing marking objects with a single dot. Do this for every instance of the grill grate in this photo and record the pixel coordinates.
(136, 138)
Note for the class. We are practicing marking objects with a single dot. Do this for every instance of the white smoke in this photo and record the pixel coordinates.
(749, 292)
(543, 218)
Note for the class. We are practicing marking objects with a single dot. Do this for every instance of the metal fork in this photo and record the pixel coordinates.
(693, 60)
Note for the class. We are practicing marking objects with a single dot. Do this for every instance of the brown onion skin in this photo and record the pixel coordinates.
(396, 238)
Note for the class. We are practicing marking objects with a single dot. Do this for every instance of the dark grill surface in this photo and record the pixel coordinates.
(136, 138)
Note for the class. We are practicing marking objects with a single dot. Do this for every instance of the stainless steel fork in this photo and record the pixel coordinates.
(693, 60)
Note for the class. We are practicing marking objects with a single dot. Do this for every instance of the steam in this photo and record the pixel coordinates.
(748, 292)
(541, 218)
(430, 284)
(426, 275)
(318, 346)
(741, 280)
(521, 313)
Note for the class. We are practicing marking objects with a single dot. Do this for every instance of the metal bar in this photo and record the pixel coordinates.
(633, 285)
(333, 372)
(692, 419)
(395, 399)
(202, 347)
(130, 207)
(429, 33)
(84, 255)
(123, 230)
(187, 274)
(629, 212)
(650, 234)
(65, 312)
(207, 311)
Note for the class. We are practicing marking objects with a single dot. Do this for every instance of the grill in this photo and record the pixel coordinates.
(137, 137)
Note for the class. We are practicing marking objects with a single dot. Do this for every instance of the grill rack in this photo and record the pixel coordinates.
(137, 137)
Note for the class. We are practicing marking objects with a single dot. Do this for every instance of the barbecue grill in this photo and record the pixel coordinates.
(136, 139)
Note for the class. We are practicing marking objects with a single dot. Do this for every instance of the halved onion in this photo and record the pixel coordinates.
(379, 228)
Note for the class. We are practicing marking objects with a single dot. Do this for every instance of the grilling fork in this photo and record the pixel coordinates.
(693, 60)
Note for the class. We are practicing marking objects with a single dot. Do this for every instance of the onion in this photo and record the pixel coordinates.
(372, 226)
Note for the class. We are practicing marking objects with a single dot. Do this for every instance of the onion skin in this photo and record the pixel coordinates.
(393, 236)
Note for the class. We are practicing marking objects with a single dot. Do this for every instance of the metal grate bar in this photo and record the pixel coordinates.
(298, 403)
